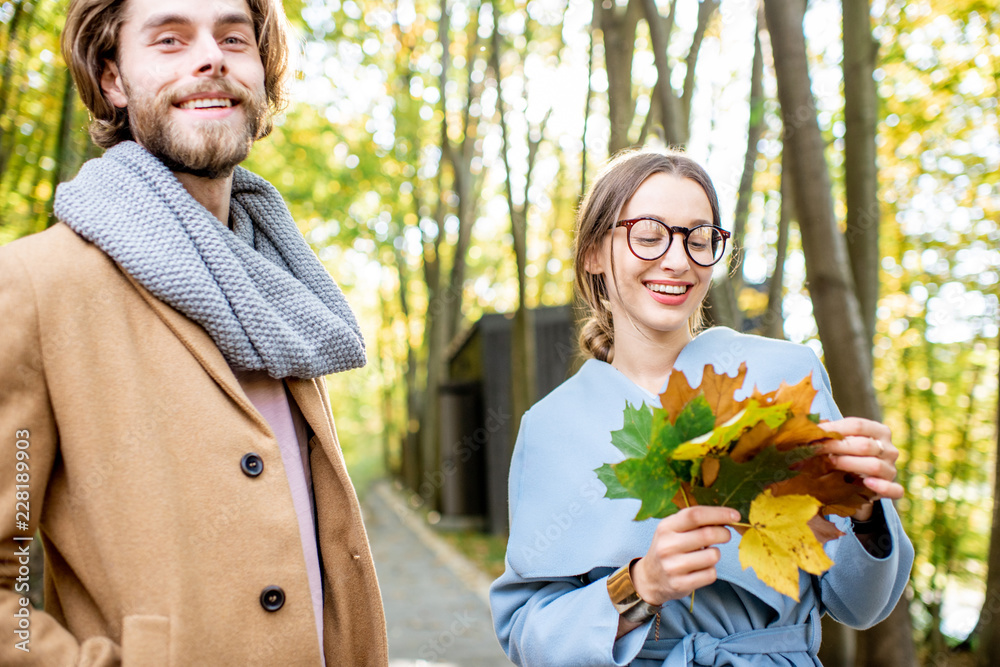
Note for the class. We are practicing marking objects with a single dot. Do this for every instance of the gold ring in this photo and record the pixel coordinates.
(881, 447)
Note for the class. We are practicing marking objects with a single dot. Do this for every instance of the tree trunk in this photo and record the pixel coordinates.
(670, 112)
(774, 318)
(523, 354)
(732, 284)
(63, 168)
(17, 46)
(618, 30)
(830, 286)
(860, 171)
(836, 308)
(988, 628)
(706, 8)
(586, 105)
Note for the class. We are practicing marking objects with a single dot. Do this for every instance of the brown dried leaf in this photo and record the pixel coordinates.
(709, 470)
(719, 390)
(839, 492)
(800, 396)
(752, 442)
(678, 394)
(823, 529)
(801, 430)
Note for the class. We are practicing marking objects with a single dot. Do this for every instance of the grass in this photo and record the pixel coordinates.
(484, 550)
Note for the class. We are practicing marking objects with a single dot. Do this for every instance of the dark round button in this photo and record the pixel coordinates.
(252, 465)
(272, 598)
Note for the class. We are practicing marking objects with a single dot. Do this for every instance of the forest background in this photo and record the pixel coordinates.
(435, 152)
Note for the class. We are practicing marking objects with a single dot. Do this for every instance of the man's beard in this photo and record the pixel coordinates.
(210, 149)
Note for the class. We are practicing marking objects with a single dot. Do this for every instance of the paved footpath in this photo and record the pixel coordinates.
(435, 600)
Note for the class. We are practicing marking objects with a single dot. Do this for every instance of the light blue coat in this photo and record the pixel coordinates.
(551, 606)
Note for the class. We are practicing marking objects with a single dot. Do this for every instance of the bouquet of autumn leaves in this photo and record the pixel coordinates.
(759, 456)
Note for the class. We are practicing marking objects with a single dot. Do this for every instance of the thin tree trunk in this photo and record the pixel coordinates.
(836, 308)
(523, 352)
(586, 105)
(860, 173)
(460, 158)
(618, 30)
(988, 628)
(730, 287)
(774, 319)
(659, 34)
(12, 52)
(16, 44)
(63, 168)
(705, 11)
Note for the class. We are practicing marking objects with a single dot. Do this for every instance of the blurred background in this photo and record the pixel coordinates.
(434, 154)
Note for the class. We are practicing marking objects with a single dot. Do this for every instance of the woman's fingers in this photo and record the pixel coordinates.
(857, 426)
(695, 517)
(885, 488)
(682, 556)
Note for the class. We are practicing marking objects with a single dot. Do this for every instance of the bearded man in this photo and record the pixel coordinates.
(164, 422)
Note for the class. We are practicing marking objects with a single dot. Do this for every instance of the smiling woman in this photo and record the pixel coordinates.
(584, 583)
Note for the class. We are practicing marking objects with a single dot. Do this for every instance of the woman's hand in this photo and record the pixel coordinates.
(682, 557)
(866, 451)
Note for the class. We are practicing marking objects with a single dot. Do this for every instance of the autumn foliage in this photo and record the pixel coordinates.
(760, 455)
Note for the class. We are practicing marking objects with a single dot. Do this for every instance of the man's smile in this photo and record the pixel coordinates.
(207, 103)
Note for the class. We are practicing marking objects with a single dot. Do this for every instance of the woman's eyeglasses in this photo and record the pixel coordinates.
(649, 239)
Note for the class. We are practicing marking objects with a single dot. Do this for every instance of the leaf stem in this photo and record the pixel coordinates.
(687, 504)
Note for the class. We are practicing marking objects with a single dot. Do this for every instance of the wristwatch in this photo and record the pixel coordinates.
(626, 601)
(872, 525)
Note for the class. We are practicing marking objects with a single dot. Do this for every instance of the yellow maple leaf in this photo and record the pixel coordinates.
(780, 541)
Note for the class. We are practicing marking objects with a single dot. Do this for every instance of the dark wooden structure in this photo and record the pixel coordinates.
(478, 428)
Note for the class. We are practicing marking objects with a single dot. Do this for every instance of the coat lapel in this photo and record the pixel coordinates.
(310, 395)
(202, 347)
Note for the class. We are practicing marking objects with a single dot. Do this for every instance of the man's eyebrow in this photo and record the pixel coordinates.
(160, 20)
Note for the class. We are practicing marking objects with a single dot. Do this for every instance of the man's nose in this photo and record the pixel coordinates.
(210, 59)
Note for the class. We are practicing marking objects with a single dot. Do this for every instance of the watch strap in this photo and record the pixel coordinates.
(625, 598)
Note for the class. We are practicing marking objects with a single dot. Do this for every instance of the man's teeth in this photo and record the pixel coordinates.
(667, 289)
(207, 103)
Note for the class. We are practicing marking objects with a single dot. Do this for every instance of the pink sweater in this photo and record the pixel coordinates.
(277, 406)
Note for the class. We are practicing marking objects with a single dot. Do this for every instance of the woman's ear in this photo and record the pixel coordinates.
(594, 260)
(112, 86)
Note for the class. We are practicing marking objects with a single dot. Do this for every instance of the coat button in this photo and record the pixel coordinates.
(252, 465)
(272, 598)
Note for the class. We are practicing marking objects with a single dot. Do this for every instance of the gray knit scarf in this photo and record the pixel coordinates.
(258, 290)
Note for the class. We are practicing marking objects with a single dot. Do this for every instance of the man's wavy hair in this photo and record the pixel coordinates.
(90, 41)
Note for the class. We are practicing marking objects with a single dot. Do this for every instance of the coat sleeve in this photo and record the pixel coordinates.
(559, 620)
(861, 590)
(29, 449)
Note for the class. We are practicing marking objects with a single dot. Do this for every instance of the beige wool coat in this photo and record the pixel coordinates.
(157, 545)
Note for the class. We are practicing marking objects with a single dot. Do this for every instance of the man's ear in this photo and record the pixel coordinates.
(112, 86)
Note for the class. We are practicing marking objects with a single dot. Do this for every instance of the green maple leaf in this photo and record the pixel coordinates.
(615, 489)
(654, 479)
(738, 484)
(633, 438)
(696, 419)
(716, 441)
